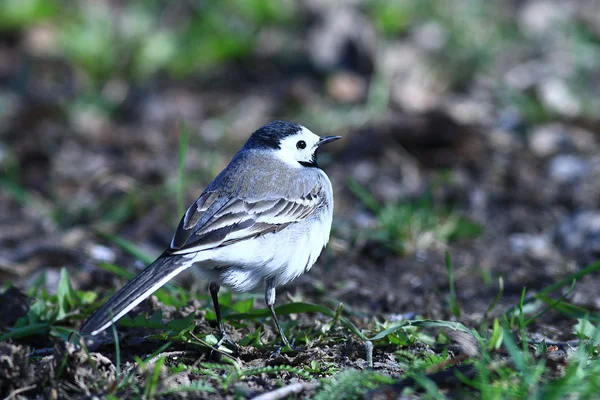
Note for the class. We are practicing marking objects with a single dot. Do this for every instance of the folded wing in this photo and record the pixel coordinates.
(217, 220)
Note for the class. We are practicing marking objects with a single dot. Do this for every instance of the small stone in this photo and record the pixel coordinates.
(504, 141)
(102, 253)
(430, 36)
(10, 105)
(344, 38)
(557, 96)
(583, 140)
(115, 90)
(538, 246)
(526, 75)
(413, 84)
(75, 237)
(567, 168)
(542, 17)
(346, 87)
(579, 235)
(172, 105)
(41, 40)
(468, 110)
(547, 140)
(90, 121)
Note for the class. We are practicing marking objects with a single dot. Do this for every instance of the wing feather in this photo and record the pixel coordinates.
(216, 220)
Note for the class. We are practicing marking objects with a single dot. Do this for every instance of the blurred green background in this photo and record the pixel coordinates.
(461, 120)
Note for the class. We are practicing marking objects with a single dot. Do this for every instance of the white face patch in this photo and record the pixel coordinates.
(299, 148)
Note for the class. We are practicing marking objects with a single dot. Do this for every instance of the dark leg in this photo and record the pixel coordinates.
(214, 293)
(270, 300)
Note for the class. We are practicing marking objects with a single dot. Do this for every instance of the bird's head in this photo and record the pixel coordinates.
(294, 144)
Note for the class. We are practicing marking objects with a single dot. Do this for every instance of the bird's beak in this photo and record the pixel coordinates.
(327, 139)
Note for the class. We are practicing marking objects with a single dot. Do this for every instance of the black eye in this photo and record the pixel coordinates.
(301, 144)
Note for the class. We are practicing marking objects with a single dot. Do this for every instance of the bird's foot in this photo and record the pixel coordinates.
(285, 347)
(226, 339)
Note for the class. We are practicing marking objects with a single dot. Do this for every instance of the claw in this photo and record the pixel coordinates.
(291, 345)
(225, 339)
(276, 353)
(279, 348)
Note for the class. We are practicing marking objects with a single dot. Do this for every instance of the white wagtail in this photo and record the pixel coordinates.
(265, 218)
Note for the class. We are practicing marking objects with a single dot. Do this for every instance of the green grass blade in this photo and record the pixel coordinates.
(64, 294)
(497, 335)
(115, 269)
(555, 286)
(550, 306)
(515, 352)
(497, 297)
(20, 194)
(29, 330)
(129, 247)
(117, 349)
(62, 333)
(364, 195)
(570, 310)
(152, 383)
(453, 302)
(566, 281)
(521, 314)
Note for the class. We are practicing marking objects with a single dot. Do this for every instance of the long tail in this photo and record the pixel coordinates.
(162, 270)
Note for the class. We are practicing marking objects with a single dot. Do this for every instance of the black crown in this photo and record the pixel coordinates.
(271, 135)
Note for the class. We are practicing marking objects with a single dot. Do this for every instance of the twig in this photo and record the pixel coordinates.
(283, 392)
(19, 391)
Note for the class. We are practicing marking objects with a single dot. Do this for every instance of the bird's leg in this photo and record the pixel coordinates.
(214, 293)
(270, 300)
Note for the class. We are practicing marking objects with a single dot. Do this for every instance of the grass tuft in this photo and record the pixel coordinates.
(406, 227)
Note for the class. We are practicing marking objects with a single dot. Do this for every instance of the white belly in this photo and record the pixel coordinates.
(283, 255)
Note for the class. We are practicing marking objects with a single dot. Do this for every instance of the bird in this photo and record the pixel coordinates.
(263, 220)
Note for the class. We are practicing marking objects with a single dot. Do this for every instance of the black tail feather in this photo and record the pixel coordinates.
(134, 292)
